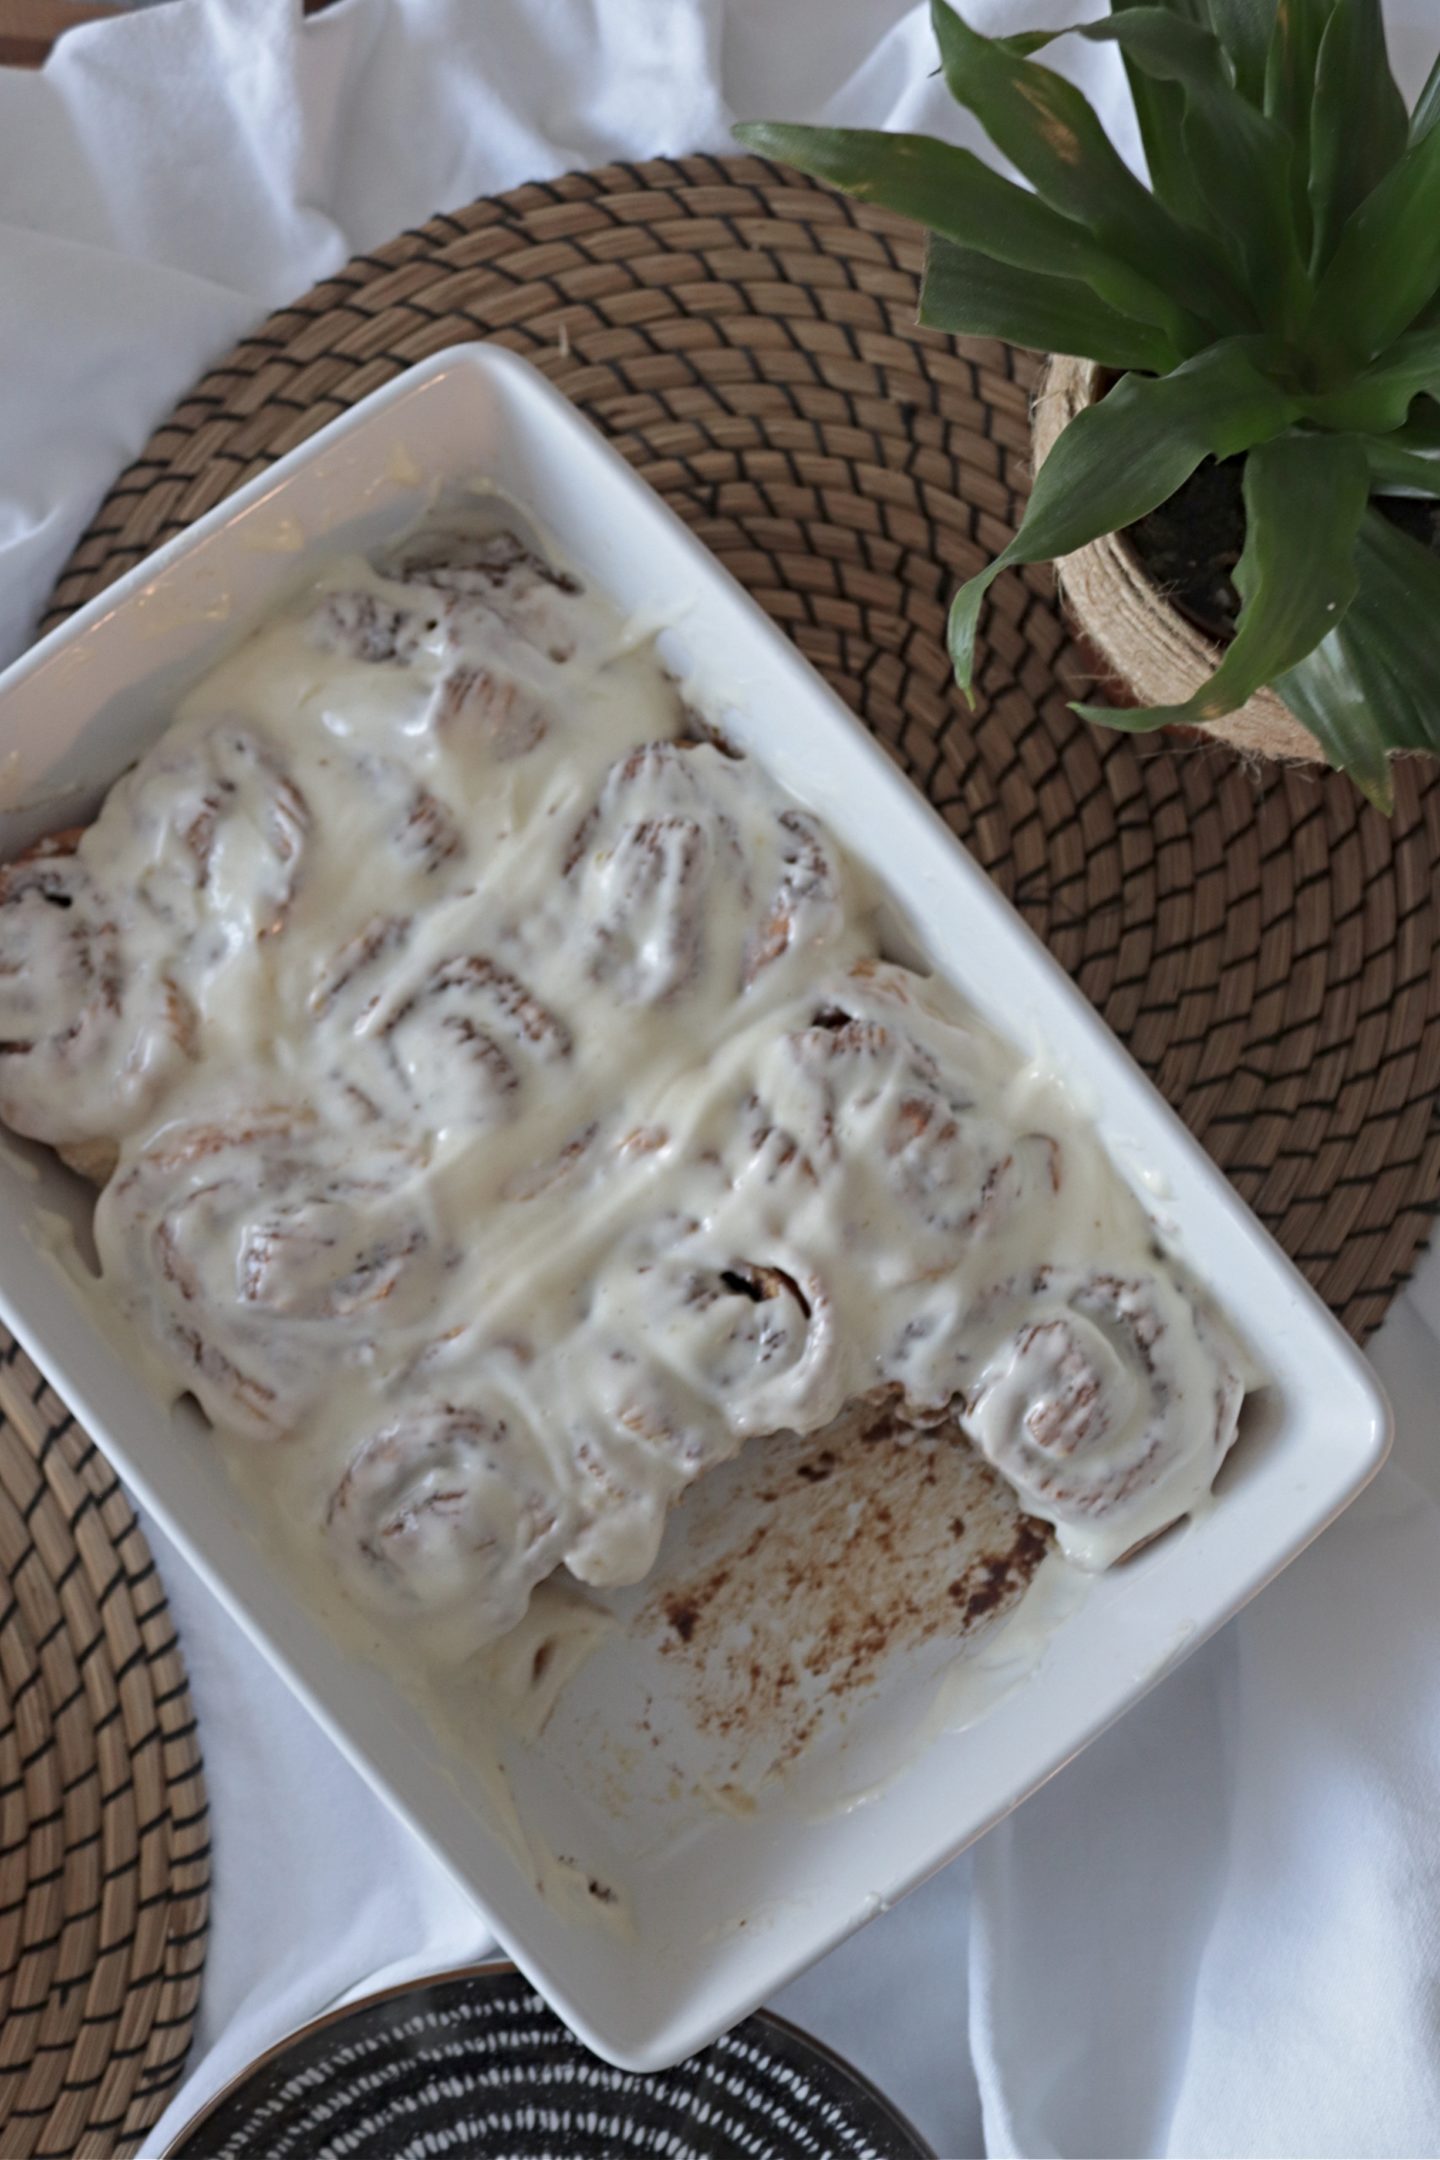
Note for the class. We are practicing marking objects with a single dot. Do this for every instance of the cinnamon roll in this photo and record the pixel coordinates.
(425, 833)
(687, 876)
(91, 1031)
(874, 1103)
(804, 907)
(645, 864)
(685, 1353)
(487, 708)
(456, 1046)
(629, 1438)
(751, 1342)
(445, 1520)
(361, 625)
(495, 574)
(355, 972)
(1109, 1406)
(219, 828)
(266, 1252)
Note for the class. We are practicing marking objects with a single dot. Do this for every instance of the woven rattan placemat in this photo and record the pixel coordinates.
(104, 1840)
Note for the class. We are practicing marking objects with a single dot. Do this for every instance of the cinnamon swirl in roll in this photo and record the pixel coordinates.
(876, 1097)
(749, 1343)
(267, 1254)
(492, 708)
(653, 864)
(220, 825)
(450, 1044)
(692, 875)
(92, 1025)
(1109, 1406)
(361, 625)
(803, 904)
(498, 575)
(425, 834)
(445, 1520)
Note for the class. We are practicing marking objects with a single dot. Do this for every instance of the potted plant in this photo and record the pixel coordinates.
(1237, 437)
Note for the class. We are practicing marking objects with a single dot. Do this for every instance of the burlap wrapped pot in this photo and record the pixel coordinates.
(1155, 653)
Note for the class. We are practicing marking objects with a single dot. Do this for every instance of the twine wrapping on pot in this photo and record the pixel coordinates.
(1120, 610)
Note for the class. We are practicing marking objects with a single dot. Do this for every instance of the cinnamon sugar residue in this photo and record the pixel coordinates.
(874, 1540)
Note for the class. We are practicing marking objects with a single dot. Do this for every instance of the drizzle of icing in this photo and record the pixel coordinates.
(515, 1112)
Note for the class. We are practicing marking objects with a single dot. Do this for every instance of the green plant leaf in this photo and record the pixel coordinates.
(1160, 110)
(1170, 47)
(1379, 399)
(1371, 688)
(1120, 458)
(1024, 42)
(949, 190)
(1244, 28)
(1304, 498)
(1358, 124)
(1386, 264)
(1397, 605)
(1290, 89)
(1427, 105)
(1397, 470)
(1347, 702)
(1049, 132)
(1239, 160)
(953, 192)
(969, 294)
(1422, 430)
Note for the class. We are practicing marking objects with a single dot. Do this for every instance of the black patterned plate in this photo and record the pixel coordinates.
(472, 2063)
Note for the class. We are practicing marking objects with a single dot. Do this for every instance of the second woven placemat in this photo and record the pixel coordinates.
(1263, 941)
(104, 1831)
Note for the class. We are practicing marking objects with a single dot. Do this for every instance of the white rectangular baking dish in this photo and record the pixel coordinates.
(727, 1912)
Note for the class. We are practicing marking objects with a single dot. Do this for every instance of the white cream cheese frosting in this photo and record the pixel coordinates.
(514, 1111)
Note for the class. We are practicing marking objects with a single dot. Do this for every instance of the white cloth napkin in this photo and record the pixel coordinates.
(1219, 1931)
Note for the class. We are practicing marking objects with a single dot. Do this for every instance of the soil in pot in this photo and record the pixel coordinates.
(1191, 544)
